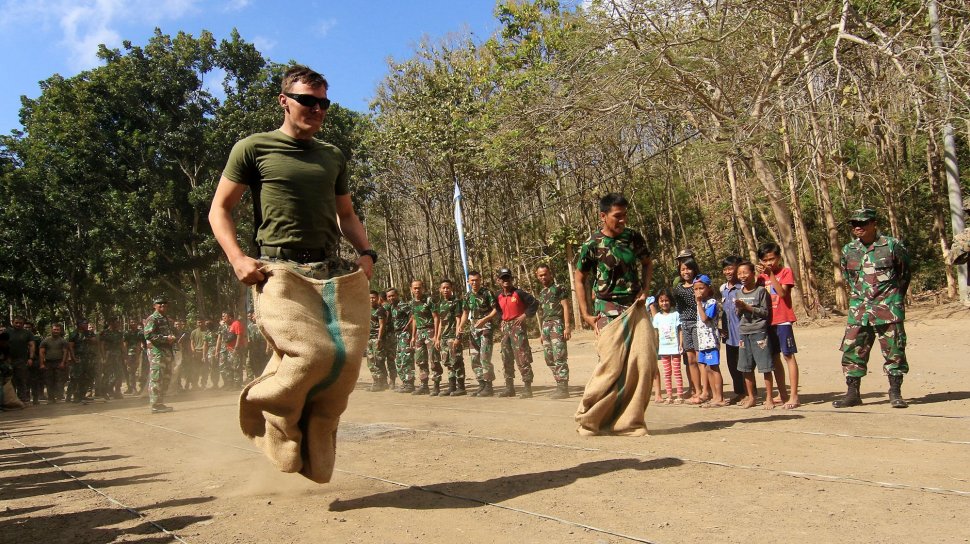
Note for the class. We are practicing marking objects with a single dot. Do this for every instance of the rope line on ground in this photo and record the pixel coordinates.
(405, 485)
(82, 483)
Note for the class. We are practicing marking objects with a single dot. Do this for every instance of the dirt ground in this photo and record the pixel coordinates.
(462, 469)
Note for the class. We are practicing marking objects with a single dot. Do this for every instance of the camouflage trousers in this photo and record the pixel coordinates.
(426, 356)
(131, 370)
(858, 341)
(211, 365)
(404, 361)
(230, 366)
(81, 377)
(376, 362)
(160, 363)
(515, 348)
(480, 349)
(452, 359)
(607, 310)
(554, 349)
(386, 353)
(112, 372)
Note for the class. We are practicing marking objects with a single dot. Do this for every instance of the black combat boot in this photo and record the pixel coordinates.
(895, 393)
(460, 391)
(561, 392)
(436, 390)
(407, 387)
(526, 390)
(481, 387)
(509, 388)
(377, 385)
(392, 385)
(487, 391)
(451, 388)
(423, 390)
(852, 397)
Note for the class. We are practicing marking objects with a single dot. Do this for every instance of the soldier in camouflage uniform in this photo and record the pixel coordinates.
(876, 269)
(423, 324)
(515, 305)
(84, 362)
(450, 312)
(400, 316)
(555, 330)
(378, 328)
(480, 308)
(226, 357)
(211, 355)
(113, 355)
(134, 346)
(387, 344)
(611, 257)
(161, 358)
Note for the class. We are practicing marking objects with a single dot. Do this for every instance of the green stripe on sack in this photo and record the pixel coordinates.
(329, 297)
(621, 381)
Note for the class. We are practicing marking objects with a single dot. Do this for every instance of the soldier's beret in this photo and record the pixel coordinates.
(863, 214)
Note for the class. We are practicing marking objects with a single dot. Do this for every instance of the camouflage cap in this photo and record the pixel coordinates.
(686, 253)
(502, 272)
(160, 299)
(863, 214)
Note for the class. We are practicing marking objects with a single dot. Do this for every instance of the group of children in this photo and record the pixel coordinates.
(751, 314)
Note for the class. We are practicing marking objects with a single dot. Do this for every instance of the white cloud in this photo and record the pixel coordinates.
(324, 27)
(237, 5)
(86, 24)
(264, 44)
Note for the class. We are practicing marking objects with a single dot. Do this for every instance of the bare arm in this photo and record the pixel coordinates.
(567, 331)
(353, 230)
(646, 276)
(579, 283)
(227, 197)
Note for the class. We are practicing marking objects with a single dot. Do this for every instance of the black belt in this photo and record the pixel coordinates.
(300, 255)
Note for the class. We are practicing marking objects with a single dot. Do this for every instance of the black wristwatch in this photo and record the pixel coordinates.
(370, 253)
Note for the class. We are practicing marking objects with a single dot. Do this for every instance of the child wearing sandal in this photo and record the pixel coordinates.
(667, 322)
(708, 339)
(686, 304)
(753, 307)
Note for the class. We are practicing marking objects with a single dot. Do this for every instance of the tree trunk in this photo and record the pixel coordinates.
(939, 220)
(742, 223)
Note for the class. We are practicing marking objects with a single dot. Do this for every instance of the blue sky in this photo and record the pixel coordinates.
(349, 41)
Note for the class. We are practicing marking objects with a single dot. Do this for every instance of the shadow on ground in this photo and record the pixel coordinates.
(704, 426)
(496, 490)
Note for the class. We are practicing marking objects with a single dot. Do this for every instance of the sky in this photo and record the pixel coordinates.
(349, 41)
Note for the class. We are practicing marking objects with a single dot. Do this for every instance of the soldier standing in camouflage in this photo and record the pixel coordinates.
(515, 305)
(611, 257)
(876, 268)
(555, 330)
(423, 322)
(161, 357)
(450, 311)
(112, 353)
(481, 308)
(84, 362)
(134, 339)
(388, 341)
(378, 328)
(400, 316)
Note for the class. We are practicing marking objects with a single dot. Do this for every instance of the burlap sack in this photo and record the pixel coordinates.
(616, 396)
(318, 330)
(10, 399)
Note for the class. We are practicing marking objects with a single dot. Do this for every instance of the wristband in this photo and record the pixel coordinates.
(370, 253)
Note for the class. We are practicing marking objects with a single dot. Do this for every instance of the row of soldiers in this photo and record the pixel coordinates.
(87, 364)
(421, 337)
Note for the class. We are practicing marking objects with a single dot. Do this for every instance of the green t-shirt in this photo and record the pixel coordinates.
(449, 310)
(294, 183)
(423, 312)
(550, 303)
(616, 262)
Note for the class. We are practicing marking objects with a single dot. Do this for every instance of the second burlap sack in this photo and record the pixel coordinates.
(617, 394)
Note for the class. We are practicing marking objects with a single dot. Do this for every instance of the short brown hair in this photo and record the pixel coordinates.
(302, 74)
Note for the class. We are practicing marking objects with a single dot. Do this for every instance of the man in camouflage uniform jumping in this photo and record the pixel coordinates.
(378, 328)
(450, 312)
(480, 308)
(876, 268)
(400, 317)
(612, 257)
(515, 305)
(555, 330)
(161, 358)
(423, 323)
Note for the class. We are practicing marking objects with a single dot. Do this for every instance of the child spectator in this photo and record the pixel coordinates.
(708, 339)
(729, 324)
(778, 281)
(687, 308)
(752, 307)
(670, 345)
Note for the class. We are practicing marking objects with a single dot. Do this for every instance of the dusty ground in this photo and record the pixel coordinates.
(427, 470)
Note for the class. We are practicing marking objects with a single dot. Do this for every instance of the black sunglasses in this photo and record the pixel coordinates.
(859, 223)
(308, 100)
